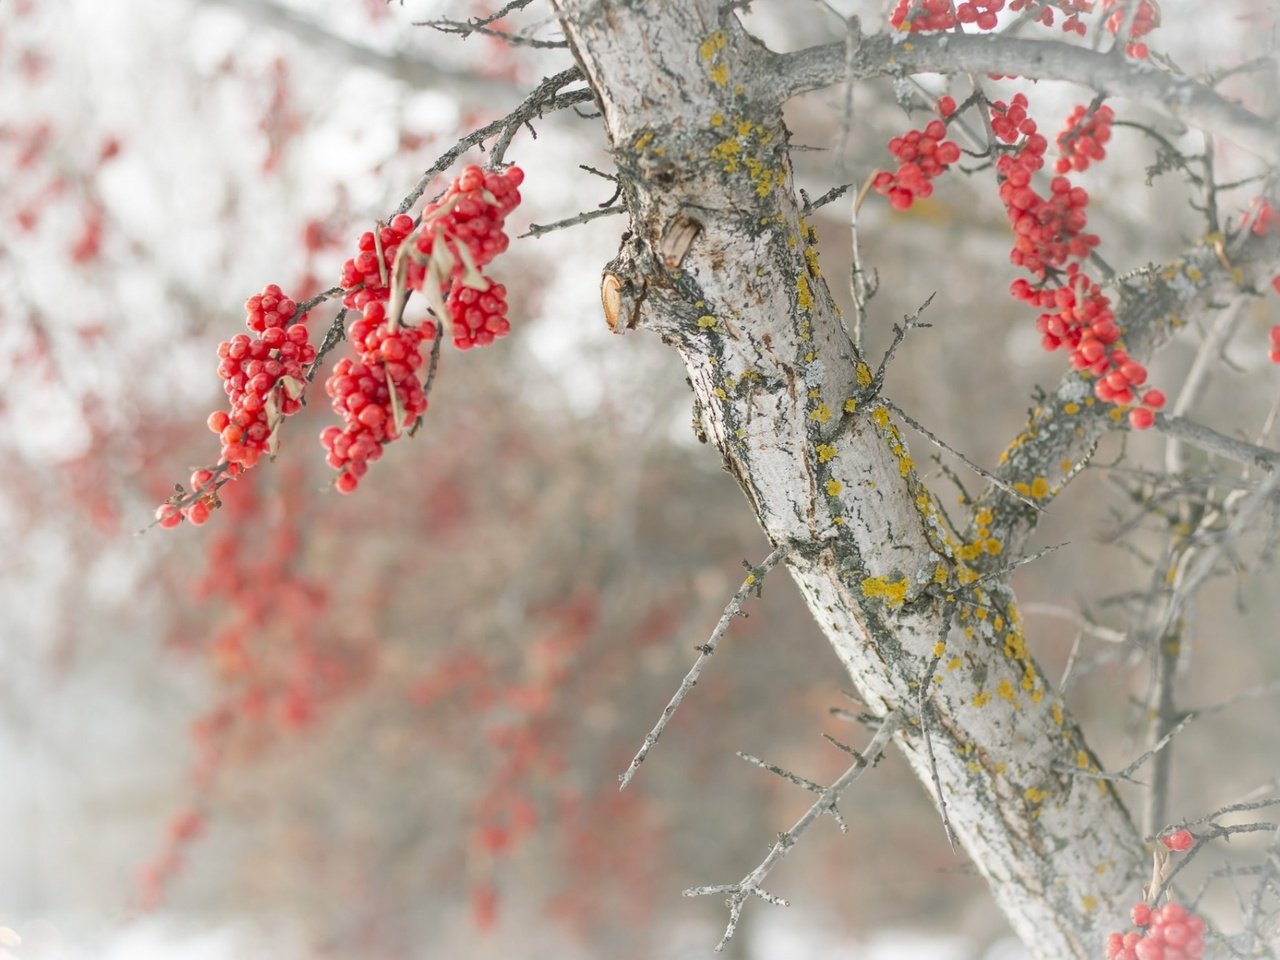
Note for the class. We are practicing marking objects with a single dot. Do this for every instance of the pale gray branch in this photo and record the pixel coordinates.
(1180, 98)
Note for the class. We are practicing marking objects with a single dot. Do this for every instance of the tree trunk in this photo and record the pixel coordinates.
(722, 266)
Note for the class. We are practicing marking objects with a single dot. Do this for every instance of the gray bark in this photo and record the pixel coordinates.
(720, 264)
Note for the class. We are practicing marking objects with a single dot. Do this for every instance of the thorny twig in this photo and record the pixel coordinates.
(800, 781)
(752, 584)
(980, 471)
(541, 229)
(736, 894)
(545, 97)
(481, 25)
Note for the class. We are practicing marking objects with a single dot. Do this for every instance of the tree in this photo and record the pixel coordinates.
(720, 260)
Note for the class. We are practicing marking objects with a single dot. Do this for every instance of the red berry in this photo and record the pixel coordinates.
(168, 515)
(1140, 418)
(1179, 840)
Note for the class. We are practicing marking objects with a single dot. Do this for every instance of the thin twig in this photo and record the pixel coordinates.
(749, 886)
(545, 97)
(540, 229)
(332, 337)
(800, 781)
(750, 585)
(980, 471)
(910, 322)
(926, 712)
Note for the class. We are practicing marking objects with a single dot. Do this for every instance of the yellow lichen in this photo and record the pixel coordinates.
(712, 45)
(825, 452)
(834, 487)
(706, 321)
(850, 405)
(1071, 408)
(717, 119)
(821, 413)
(954, 664)
(1040, 488)
(981, 699)
(862, 373)
(893, 592)
(804, 299)
(939, 648)
(1035, 794)
(1007, 691)
(720, 394)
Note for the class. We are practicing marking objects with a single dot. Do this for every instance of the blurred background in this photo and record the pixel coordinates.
(390, 725)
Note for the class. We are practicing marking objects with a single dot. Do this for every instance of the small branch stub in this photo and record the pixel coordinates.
(611, 300)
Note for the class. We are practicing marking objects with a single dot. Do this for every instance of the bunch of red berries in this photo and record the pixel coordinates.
(263, 378)
(981, 13)
(1049, 241)
(924, 154)
(378, 394)
(1146, 20)
(1168, 933)
(1047, 230)
(1071, 8)
(1081, 140)
(1081, 319)
(920, 15)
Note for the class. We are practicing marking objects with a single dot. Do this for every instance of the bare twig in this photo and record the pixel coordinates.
(736, 894)
(541, 229)
(544, 98)
(800, 781)
(942, 444)
(749, 586)
(910, 322)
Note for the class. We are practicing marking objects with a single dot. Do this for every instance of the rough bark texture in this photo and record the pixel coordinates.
(720, 264)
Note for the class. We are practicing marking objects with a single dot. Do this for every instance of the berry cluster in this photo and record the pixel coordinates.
(1070, 8)
(1049, 242)
(1048, 230)
(923, 155)
(263, 378)
(981, 13)
(921, 15)
(1080, 142)
(1146, 20)
(378, 393)
(1168, 933)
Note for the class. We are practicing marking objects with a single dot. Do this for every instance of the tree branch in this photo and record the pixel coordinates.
(1179, 98)
(419, 72)
(749, 886)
